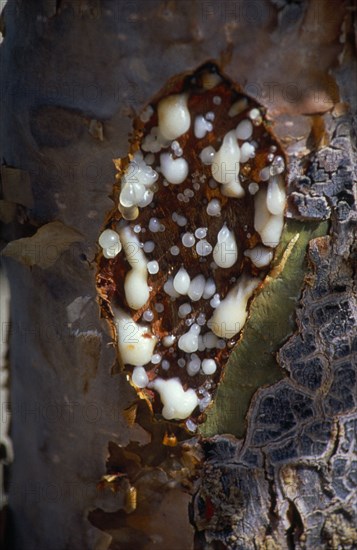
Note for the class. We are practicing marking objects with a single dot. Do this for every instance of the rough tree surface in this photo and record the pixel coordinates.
(76, 74)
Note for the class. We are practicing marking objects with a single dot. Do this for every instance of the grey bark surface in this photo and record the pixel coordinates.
(75, 74)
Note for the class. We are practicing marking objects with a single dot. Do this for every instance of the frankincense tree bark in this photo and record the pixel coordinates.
(283, 474)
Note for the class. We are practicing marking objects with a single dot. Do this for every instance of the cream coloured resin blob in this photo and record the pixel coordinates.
(200, 211)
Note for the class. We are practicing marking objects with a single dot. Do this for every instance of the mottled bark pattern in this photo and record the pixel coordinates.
(76, 74)
(294, 475)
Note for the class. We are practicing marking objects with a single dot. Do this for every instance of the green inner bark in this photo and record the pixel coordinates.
(252, 363)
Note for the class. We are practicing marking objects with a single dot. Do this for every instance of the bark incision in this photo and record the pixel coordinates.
(81, 69)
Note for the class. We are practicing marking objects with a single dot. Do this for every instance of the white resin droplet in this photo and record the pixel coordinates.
(201, 232)
(153, 267)
(136, 343)
(109, 238)
(135, 284)
(259, 255)
(225, 253)
(177, 149)
(209, 366)
(148, 315)
(188, 240)
(247, 151)
(178, 404)
(181, 220)
(261, 212)
(154, 225)
(111, 252)
(182, 281)
(244, 129)
(253, 188)
(264, 174)
(214, 208)
(174, 250)
(216, 300)
(188, 342)
(154, 141)
(169, 288)
(149, 246)
(201, 127)
(210, 288)
(229, 317)
(201, 319)
(225, 166)
(207, 155)
(233, 189)
(272, 231)
(174, 170)
(136, 289)
(165, 364)
(203, 248)
(254, 114)
(156, 359)
(174, 116)
(268, 226)
(140, 377)
(197, 287)
(276, 195)
(136, 181)
(210, 340)
(184, 310)
(168, 340)
(193, 365)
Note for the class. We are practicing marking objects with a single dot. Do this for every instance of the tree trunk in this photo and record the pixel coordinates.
(278, 471)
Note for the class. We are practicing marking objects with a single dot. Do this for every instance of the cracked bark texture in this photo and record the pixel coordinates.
(75, 72)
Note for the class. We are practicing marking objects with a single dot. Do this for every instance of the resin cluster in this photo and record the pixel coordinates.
(200, 210)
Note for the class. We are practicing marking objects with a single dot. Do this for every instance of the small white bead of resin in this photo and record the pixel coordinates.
(259, 255)
(247, 151)
(276, 195)
(209, 366)
(225, 166)
(182, 281)
(207, 155)
(188, 240)
(140, 377)
(201, 127)
(193, 365)
(244, 129)
(168, 340)
(174, 170)
(169, 288)
(153, 267)
(196, 288)
(108, 238)
(174, 116)
(184, 310)
(225, 253)
(210, 288)
(203, 248)
(136, 343)
(214, 208)
(201, 232)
